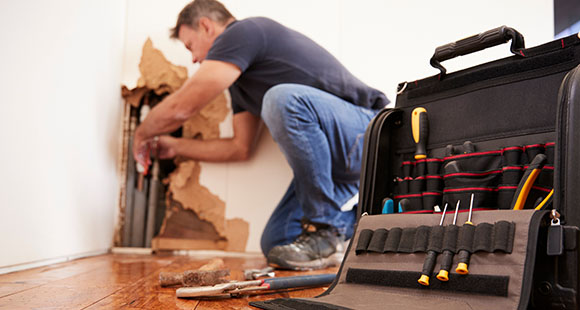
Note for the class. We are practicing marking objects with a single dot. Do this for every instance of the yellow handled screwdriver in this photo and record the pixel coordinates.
(464, 255)
(420, 127)
(447, 260)
(430, 259)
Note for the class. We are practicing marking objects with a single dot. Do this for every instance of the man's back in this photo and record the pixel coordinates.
(269, 54)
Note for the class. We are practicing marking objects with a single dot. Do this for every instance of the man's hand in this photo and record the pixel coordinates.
(141, 149)
(166, 147)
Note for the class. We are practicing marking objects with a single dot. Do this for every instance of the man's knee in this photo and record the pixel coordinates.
(276, 101)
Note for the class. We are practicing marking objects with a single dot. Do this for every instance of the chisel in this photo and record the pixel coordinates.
(420, 127)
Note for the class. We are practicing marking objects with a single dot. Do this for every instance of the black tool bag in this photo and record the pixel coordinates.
(504, 133)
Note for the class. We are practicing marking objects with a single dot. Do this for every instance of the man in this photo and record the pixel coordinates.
(315, 110)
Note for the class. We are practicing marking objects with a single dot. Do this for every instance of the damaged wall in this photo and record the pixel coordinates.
(194, 216)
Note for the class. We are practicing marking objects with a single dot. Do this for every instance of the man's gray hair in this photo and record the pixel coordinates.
(192, 12)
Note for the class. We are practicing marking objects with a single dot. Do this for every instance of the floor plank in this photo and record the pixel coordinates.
(20, 281)
(121, 281)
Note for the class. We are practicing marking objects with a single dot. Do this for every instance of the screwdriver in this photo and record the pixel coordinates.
(464, 254)
(430, 259)
(447, 255)
(420, 127)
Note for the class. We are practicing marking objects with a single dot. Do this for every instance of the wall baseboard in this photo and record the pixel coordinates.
(50, 261)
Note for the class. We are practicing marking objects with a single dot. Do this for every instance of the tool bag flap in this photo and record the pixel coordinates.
(386, 255)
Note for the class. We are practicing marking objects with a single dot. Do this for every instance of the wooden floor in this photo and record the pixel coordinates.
(121, 281)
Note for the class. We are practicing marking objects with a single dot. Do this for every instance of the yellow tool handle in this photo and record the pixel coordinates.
(420, 127)
(530, 176)
(523, 196)
(541, 205)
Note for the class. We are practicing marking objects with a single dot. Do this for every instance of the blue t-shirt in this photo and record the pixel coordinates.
(269, 54)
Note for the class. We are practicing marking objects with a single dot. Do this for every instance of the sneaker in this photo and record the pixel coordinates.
(317, 247)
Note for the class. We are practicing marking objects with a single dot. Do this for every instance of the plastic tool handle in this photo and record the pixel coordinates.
(420, 126)
(546, 201)
(388, 206)
(463, 256)
(446, 262)
(428, 266)
(527, 181)
(462, 266)
(299, 281)
(476, 43)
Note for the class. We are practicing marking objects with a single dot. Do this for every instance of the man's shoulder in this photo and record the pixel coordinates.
(256, 22)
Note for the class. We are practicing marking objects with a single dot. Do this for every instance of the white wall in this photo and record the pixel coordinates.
(381, 42)
(60, 70)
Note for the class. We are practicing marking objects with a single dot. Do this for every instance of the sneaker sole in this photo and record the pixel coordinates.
(321, 263)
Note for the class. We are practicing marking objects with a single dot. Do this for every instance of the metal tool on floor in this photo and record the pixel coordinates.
(430, 259)
(253, 274)
(238, 288)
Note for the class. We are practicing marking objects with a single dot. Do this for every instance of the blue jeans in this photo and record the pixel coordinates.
(321, 137)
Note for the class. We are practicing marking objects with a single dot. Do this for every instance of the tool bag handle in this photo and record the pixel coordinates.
(476, 43)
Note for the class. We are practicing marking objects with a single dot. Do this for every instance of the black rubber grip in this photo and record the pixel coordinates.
(423, 135)
(429, 263)
(463, 257)
(476, 43)
(447, 260)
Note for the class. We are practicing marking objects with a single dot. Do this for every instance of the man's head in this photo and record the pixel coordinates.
(199, 24)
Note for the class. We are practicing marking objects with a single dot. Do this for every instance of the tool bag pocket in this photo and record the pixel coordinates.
(492, 176)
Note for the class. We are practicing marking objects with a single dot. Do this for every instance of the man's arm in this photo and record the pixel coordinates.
(212, 78)
(239, 147)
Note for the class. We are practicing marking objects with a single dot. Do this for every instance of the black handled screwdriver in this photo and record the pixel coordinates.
(464, 255)
(430, 259)
(420, 127)
(447, 259)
